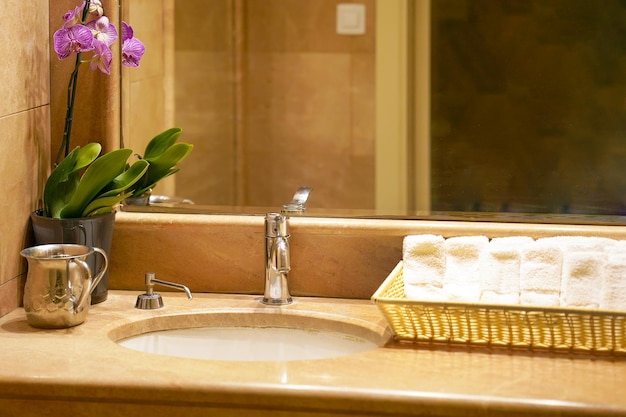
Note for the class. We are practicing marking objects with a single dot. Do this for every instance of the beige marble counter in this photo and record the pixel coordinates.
(82, 372)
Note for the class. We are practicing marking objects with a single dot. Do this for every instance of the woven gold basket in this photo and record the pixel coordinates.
(508, 326)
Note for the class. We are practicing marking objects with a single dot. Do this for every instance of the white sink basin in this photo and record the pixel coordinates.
(254, 335)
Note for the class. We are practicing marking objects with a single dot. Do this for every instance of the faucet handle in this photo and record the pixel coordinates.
(297, 204)
(276, 225)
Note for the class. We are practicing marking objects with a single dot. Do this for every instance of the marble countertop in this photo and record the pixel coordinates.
(85, 372)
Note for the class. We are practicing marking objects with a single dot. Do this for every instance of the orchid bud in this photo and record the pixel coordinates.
(95, 8)
(72, 17)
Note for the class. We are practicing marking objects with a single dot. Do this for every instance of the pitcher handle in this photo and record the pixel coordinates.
(84, 295)
(103, 269)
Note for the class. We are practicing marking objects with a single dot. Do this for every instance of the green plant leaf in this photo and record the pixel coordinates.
(101, 172)
(138, 192)
(86, 155)
(161, 142)
(161, 166)
(64, 179)
(101, 210)
(126, 179)
(97, 205)
(55, 189)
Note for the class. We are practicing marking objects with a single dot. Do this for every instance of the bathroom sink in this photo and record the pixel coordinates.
(251, 335)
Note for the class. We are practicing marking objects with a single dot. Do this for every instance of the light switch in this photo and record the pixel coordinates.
(350, 19)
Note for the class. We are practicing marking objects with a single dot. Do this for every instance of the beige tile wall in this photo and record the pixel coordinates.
(308, 105)
(147, 91)
(262, 122)
(205, 99)
(24, 123)
(33, 87)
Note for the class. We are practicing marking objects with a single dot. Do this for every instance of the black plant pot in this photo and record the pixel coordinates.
(95, 231)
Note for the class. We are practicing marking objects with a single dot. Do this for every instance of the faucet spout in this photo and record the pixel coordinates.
(151, 300)
(280, 256)
(277, 261)
(181, 287)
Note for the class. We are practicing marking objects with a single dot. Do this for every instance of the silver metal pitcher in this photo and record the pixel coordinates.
(59, 284)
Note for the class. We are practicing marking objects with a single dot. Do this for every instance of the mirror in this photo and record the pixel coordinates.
(441, 106)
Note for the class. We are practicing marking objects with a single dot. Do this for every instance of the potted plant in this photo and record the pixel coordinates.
(162, 154)
(84, 187)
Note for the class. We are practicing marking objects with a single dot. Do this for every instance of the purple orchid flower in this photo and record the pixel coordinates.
(75, 39)
(85, 29)
(127, 31)
(132, 48)
(102, 57)
(103, 31)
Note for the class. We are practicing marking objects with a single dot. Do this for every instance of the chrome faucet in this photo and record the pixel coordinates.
(277, 263)
(297, 203)
(277, 260)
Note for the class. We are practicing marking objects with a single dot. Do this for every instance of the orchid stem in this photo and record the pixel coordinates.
(64, 149)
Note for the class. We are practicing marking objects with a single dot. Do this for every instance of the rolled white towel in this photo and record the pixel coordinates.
(462, 276)
(500, 269)
(540, 268)
(570, 244)
(582, 267)
(582, 273)
(492, 297)
(618, 248)
(423, 292)
(515, 241)
(540, 273)
(613, 287)
(424, 259)
(531, 298)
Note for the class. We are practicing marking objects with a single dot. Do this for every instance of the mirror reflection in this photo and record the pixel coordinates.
(481, 106)
(528, 106)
